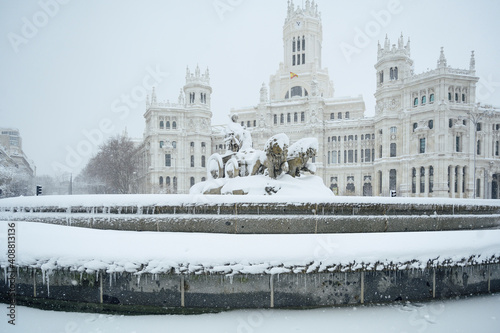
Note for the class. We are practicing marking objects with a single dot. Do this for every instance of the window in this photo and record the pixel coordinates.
(302, 116)
(298, 43)
(203, 145)
(463, 97)
(464, 177)
(422, 146)
(192, 144)
(415, 101)
(431, 98)
(293, 60)
(450, 123)
(339, 115)
(431, 179)
(380, 182)
(203, 179)
(203, 161)
(175, 184)
(282, 118)
(393, 150)
(161, 181)
(275, 119)
(424, 100)
(167, 181)
(191, 181)
(161, 144)
(456, 179)
(161, 124)
(167, 125)
(293, 45)
(414, 180)
(303, 43)
(254, 123)
(248, 123)
(449, 96)
(381, 77)
(393, 129)
(391, 75)
(168, 160)
(380, 152)
(295, 117)
(456, 97)
(478, 188)
(192, 161)
(174, 125)
(415, 125)
(347, 115)
(395, 73)
(422, 180)
(328, 156)
(431, 124)
(303, 58)
(479, 127)
(288, 117)
(334, 157)
(478, 150)
(332, 116)
(242, 123)
(392, 179)
(174, 144)
(496, 148)
(458, 147)
(350, 156)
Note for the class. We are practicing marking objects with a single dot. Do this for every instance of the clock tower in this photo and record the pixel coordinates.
(301, 66)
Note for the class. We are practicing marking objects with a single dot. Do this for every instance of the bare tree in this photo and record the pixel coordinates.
(112, 169)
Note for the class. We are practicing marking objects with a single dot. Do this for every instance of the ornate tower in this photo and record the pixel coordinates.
(302, 40)
(197, 90)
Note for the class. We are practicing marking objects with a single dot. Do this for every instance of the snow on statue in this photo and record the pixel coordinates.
(244, 170)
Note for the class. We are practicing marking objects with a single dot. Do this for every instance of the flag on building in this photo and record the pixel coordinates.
(292, 75)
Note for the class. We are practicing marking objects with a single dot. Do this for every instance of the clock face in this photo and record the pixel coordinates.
(298, 24)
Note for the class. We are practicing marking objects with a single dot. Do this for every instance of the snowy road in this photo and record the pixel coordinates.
(477, 314)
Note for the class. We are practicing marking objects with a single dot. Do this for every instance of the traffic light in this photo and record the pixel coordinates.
(38, 190)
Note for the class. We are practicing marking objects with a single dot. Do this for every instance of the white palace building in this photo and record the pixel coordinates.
(428, 137)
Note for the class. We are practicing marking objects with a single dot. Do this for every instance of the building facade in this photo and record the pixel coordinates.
(428, 137)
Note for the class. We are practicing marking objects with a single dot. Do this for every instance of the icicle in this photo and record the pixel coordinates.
(48, 285)
(5, 274)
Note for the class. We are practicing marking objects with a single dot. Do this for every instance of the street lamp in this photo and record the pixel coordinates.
(475, 116)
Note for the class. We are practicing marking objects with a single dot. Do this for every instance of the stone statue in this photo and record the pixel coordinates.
(299, 154)
(276, 155)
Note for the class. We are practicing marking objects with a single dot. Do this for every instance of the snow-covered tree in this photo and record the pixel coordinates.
(112, 169)
(15, 182)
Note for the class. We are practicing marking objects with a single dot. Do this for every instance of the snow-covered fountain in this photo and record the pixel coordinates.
(272, 236)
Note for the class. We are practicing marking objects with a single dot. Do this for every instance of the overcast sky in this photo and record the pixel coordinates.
(82, 65)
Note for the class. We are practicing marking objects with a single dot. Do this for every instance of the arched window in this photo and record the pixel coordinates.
(174, 144)
(478, 149)
(415, 125)
(456, 97)
(391, 75)
(161, 181)
(381, 77)
(463, 98)
(192, 161)
(449, 96)
(167, 181)
(288, 117)
(431, 124)
(431, 98)
(395, 73)
(332, 116)
(203, 161)
(424, 100)
(282, 118)
(275, 119)
(415, 101)
(339, 115)
(393, 150)
(175, 184)
(298, 43)
(347, 115)
(302, 116)
(192, 144)
(191, 181)
(161, 124)
(295, 117)
(303, 43)
(422, 179)
(174, 125)
(167, 126)
(303, 58)
(168, 160)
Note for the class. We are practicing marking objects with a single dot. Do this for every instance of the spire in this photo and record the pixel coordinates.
(387, 43)
(442, 60)
(472, 64)
(400, 41)
(407, 47)
(197, 71)
(263, 93)
(207, 74)
(153, 97)
(188, 73)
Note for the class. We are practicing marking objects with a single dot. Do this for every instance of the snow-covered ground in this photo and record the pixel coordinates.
(81, 249)
(477, 314)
